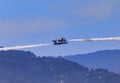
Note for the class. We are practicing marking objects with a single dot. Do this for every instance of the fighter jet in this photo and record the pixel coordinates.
(60, 41)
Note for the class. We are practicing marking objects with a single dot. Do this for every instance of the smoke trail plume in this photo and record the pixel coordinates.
(96, 39)
(23, 47)
(72, 40)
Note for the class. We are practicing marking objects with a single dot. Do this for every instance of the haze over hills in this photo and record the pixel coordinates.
(25, 67)
(107, 59)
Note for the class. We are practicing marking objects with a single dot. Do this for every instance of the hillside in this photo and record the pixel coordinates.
(25, 67)
(107, 59)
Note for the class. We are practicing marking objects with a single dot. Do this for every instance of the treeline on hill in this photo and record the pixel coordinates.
(25, 67)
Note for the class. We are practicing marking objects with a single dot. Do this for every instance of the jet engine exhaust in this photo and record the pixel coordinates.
(24, 47)
(96, 39)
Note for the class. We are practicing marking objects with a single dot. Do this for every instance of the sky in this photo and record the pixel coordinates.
(24, 22)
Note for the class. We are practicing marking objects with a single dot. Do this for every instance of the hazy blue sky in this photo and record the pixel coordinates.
(40, 21)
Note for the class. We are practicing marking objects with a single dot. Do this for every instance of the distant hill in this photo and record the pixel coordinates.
(107, 59)
(25, 67)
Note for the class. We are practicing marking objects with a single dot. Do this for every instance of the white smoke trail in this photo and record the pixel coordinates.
(96, 39)
(23, 47)
(72, 40)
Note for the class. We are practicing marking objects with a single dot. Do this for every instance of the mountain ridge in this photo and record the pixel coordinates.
(106, 59)
(25, 67)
